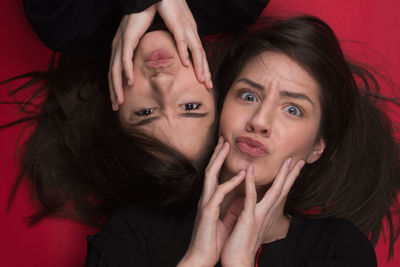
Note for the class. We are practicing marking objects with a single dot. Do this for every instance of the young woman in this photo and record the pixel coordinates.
(80, 155)
(297, 134)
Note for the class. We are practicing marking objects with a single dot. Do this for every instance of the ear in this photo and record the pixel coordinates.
(317, 151)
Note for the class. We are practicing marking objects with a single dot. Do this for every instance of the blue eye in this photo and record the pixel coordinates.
(191, 106)
(145, 112)
(248, 96)
(294, 110)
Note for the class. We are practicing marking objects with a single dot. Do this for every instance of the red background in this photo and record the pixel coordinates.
(369, 31)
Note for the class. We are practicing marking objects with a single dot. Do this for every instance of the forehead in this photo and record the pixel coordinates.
(278, 68)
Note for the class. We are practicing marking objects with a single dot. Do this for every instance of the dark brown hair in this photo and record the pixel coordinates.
(358, 175)
(82, 164)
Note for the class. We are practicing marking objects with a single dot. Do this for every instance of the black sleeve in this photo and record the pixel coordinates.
(74, 25)
(135, 6)
(142, 237)
(90, 25)
(216, 16)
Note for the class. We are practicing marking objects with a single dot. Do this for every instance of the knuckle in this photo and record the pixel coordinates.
(182, 42)
(125, 35)
(222, 189)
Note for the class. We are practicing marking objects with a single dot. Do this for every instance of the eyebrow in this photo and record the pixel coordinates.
(193, 115)
(145, 121)
(282, 93)
(150, 120)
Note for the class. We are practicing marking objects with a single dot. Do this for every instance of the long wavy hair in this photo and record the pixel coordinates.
(358, 175)
(81, 163)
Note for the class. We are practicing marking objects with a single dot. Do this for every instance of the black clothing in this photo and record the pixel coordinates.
(90, 25)
(160, 237)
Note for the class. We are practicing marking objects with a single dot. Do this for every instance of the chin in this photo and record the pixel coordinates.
(235, 164)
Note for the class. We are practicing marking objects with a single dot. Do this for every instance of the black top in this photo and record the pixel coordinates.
(90, 25)
(160, 237)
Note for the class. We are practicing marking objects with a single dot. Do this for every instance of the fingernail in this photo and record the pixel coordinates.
(301, 164)
(220, 139)
(225, 145)
(129, 82)
(241, 173)
(288, 161)
(251, 169)
(210, 84)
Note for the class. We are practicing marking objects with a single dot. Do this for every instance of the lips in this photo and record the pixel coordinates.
(159, 58)
(251, 146)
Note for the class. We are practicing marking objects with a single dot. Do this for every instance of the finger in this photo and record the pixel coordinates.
(112, 95)
(210, 184)
(207, 73)
(291, 178)
(128, 46)
(217, 148)
(233, 213)
(225, 188)
(116, 75)
(212, 172)
(110, 82)
(275, 190)
(181, 44)
(215, 166)
(251, 194)
(197, 55)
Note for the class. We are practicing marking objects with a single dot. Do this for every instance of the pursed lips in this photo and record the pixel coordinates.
(251, 147)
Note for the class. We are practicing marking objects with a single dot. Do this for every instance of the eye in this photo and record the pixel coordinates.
(145, 112)
(294, 110)
(190, 106)
(247, 96)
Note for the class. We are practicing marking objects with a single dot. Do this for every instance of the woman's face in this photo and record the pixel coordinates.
(166, 100)
(271, 112)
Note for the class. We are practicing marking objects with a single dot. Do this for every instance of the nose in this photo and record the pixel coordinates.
(162, 82)
(260, 122)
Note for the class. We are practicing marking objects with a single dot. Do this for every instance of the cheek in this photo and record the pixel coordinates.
(231, 120)
(297, 142)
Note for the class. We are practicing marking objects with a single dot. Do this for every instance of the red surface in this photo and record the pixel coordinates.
(369, 29)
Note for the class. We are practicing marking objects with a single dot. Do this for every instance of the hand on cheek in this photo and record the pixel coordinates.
(256, 220)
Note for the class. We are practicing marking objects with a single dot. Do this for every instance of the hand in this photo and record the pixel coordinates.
(210, 232)
(130, 30)
(256, 220)
(179, 20)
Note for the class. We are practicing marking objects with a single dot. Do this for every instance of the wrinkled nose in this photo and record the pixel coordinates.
(162, 82)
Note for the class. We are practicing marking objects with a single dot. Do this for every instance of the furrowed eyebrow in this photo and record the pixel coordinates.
(150, 120)
(252, 83)
(193, 115)
(296, 95)
(282, 93)
(145, 121)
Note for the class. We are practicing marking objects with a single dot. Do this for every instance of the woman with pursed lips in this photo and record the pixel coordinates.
(167, 101)
(295, 131)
